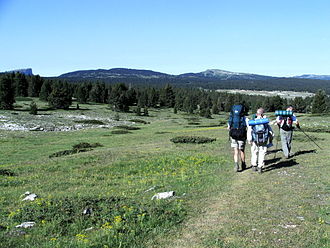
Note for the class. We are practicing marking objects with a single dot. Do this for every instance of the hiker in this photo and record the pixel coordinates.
(237, 125)
(284, 123)
(258, 135)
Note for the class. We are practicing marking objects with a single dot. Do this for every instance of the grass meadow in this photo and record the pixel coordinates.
(101, 197)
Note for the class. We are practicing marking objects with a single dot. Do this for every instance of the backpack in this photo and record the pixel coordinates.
(260, 134)
(237, 122)
(287, 125)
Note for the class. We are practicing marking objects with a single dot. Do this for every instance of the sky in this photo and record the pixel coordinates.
(273, 37)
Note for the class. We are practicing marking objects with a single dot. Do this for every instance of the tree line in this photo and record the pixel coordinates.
(122, 97)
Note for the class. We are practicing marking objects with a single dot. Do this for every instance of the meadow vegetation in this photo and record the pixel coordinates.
(102, 197)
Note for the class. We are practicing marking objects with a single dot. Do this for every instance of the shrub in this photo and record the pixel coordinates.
(33, 108)
(192, 139)
(6, 172)
(81, 147)
(120, 132)
(127, 127)
(85, 145)
(91, 122)
(139, 121)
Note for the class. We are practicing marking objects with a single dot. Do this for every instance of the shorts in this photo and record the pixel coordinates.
(240, 144)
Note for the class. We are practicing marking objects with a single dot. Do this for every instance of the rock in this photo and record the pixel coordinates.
(30, 197)
(37, 128)
(87, 211)
(163, 195)
(26, 224)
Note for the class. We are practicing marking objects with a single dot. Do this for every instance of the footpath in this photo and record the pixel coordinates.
(286, 206)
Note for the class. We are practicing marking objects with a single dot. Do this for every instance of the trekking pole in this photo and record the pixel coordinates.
(309, 137)
(277, 138)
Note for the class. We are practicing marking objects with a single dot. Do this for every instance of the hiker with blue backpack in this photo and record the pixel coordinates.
(237, 126)
(285, 121)
(258, 135)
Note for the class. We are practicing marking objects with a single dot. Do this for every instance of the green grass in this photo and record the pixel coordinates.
(214, 206)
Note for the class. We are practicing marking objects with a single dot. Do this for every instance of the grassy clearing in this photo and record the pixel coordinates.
(113, 184)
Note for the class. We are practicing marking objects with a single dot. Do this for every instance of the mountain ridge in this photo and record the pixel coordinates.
(207, 74)
(126, 72)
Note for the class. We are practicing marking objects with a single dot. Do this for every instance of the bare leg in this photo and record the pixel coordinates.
(242, 156)
(236, 155)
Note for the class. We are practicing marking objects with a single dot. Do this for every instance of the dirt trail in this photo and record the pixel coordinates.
(214, 214)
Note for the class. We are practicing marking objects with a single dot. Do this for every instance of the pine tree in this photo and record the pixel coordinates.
(204, 109)
(45, 91)
(61, 97)
(33, 108)
(215, 109)
(319, 104)
(97, 93)
(167, 97)
(153, 98)
(82, 93)
(119, 98)
(7, 94)
(35, 84)
(21, 85)
(299, 104)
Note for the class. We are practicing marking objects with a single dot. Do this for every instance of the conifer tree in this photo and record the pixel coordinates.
(21, 85)
(82, 93)
(45, 91)
(118, 98)
(35, 84)
(319, 104)
(7, 94)
(153, 98)
(167, 97)
(204, 109)
(215, 109)
(60, 97)
(96, 93)
(33, 108)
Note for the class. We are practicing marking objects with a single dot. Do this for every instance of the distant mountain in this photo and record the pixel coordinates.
(225, 75)
(27, 71)
(114, 73)
(209, 79)
(129, 73)
(313, 76)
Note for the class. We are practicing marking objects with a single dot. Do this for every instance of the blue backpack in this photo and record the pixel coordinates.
(260, 133)
(237, 122)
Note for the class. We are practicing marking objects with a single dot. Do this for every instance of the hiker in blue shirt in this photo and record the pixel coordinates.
(237, 125)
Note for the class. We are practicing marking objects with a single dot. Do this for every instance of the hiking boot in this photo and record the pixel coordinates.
(236, 167)
(254, 168)
(243, 166)
(259, 170)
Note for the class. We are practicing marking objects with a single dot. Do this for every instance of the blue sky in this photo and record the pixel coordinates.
(274, 37)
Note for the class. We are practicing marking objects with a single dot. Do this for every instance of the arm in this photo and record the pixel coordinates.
(295, 121)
